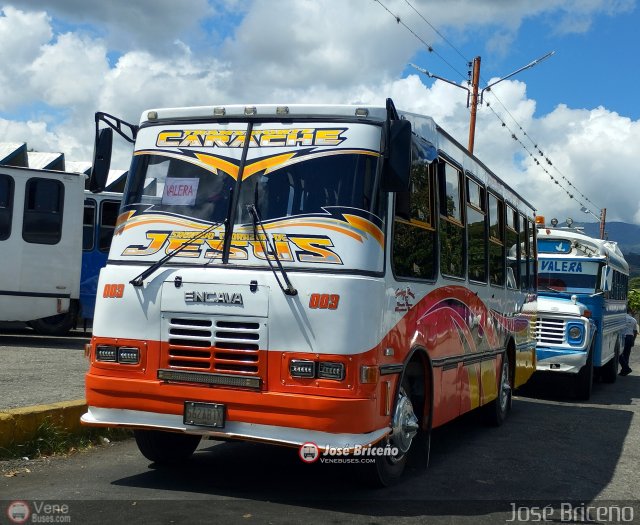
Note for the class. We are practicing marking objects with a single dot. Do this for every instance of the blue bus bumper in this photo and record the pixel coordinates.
(560, 360)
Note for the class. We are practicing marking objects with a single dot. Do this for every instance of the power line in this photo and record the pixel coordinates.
(524, 132)
(429, 47)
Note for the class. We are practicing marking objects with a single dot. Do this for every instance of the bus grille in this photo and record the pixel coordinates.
(217, 345)
(550, 331)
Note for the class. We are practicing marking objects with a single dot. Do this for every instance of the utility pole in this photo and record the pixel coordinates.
(472, 96)
(475, 80)
(603, 216)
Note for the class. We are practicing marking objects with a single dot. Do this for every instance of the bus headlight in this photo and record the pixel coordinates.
(328, 370)
(575, 333)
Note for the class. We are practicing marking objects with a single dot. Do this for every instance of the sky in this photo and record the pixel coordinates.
(570, 125)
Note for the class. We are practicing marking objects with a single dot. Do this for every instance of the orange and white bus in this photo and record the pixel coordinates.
(340, 276)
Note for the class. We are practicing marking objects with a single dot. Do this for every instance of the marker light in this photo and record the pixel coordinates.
(540, 220)
(219, 112)
(369, 374)
(282, 110)
(362, 112)
(152, 115)
(250, 110)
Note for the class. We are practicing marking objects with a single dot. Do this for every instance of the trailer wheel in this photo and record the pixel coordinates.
(165, 448)
(56, 324)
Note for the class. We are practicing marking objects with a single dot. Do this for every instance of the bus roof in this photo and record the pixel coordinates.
(590, 246)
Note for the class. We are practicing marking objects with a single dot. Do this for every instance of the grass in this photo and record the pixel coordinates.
(51, 440)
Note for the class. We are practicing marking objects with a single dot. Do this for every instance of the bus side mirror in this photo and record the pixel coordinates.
(606, 279)
(397, 167)
(101, 160)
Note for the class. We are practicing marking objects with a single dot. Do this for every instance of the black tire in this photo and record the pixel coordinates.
(387, 470)
(165, 448)
(56, 324)
(609, 372)
(584, 379)
(496, 411)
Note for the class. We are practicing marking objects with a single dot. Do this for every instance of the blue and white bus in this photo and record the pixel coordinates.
(582, 299)
(100, 215)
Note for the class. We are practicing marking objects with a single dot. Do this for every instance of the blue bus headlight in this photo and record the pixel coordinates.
(575, 333)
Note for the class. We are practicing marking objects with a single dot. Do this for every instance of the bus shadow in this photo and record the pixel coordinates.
(560, 388)
(544, 452)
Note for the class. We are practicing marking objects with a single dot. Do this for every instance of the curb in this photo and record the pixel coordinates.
(19, 425)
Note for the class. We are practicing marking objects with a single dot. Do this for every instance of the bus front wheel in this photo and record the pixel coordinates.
(584, 379)
(165, 448)
(388, 468)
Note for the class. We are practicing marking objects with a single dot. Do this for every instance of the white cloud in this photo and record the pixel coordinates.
(300, 51)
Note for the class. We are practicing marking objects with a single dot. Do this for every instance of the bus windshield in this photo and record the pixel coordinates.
(568, 275)
(320, 205)
(176, 186)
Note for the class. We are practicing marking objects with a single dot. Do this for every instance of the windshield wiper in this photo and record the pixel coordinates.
(549, 289)
(266, 246)
(138, 281)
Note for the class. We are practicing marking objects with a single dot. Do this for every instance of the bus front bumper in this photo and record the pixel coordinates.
(561, 360)
(233, 429)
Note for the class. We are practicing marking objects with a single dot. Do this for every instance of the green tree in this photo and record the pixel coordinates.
(634, 300)
(634, 283)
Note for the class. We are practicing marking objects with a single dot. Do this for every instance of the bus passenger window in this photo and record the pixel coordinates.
(108, 217)
(42, 221)
(6, 206)
(477, 232)
(89, 225)
(451, 221)
(513, 248)
(414, 232)
(496, 241)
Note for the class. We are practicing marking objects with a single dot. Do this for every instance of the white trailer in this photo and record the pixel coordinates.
(40, 242)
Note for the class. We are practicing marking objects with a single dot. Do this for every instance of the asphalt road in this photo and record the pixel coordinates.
(39, 370)
(553, 451)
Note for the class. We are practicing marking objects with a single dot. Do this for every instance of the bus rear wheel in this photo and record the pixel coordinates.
(497, 410)
(165, 448)
(56, 324)
(609, 372)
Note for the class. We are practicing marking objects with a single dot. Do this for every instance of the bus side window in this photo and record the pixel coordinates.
(496, 240)
(476, 231)
(43, 206)
(414, 233)
(6, 206)
(452, 234)
(513, 247)
(108, 217)
(89, 225)
(525, 254)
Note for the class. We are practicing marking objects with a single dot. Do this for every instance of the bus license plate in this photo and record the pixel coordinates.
(203, 414)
